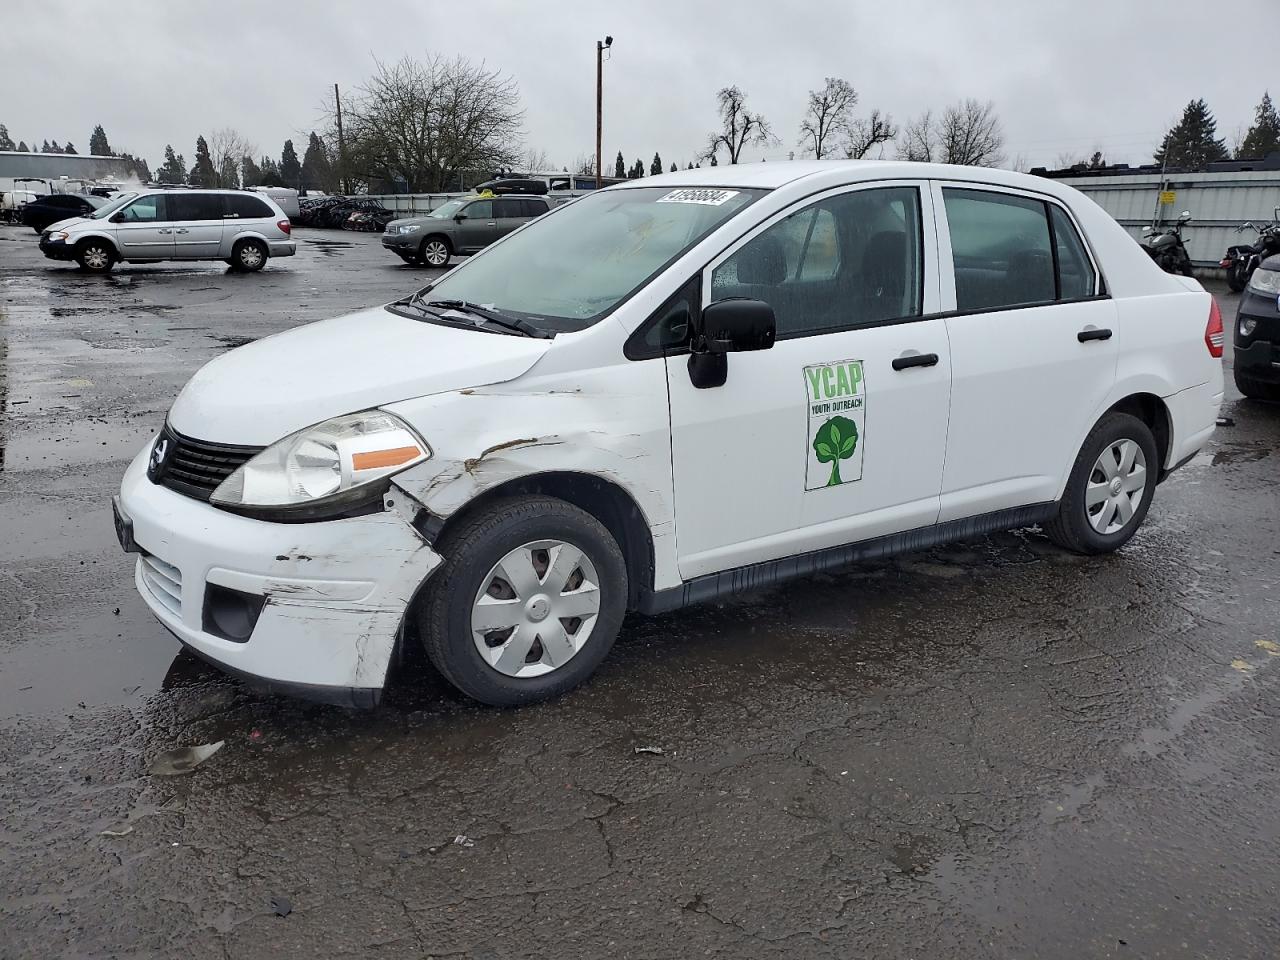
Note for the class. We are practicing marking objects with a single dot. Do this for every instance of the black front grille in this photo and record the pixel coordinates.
(192, 467)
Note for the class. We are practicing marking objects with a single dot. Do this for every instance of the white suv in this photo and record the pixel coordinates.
(659, 394)
(244, 229)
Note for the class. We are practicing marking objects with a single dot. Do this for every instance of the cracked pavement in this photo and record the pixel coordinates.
(991, 749)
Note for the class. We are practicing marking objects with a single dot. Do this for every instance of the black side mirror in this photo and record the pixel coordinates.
(117, 218)
(728, 326)
(459, 217)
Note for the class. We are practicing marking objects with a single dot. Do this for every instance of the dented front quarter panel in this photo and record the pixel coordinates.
(609, 422)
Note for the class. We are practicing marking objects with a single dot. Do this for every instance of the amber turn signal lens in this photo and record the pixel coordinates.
(383, 458)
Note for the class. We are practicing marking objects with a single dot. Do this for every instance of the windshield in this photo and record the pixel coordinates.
(568, 269)
(112, 206)
(446, 210)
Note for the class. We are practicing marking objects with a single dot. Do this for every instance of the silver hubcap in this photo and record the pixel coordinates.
(1116, 485)
(535, 608)
(96, 257)
(250, 255)
(437, 253)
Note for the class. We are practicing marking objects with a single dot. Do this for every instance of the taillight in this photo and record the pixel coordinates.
(284, 226)
(1213, 330)
(1225, 263)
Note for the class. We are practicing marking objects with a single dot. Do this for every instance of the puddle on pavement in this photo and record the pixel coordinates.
(231, 342)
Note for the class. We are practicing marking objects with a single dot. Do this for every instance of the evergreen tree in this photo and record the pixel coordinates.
(47, 147)
(714, 162)
(98, 145)
(6, 141)
(673, 168)
(174, 168)
(140, 168)
(270, 173)
(619, 167)
(690, 166)
(69, 148)
(250, 173)
(655, 168)
(1193, 142)
(1096, 162)
(1263, 137)
(317, 172)
(290, 168)
(22, 147)
(203, 173)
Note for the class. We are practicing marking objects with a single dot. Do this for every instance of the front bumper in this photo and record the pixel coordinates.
(56, 249)
(336, 591)
(402, 242)
(1258, 355)
(282, 248)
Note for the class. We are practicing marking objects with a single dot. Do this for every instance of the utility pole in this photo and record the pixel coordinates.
(601, 47)
(342, 167)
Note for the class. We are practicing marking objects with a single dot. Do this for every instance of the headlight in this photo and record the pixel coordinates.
(60, 235)
(409, 228)
(1265, 281)
(339, 463)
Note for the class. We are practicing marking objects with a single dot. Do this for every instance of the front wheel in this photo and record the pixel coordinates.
(435, 251)
(95, 256)
(527, 603)
(1110, 487)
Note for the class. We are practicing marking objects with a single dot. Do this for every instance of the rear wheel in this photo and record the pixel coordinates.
(249, 255)
(95, 256)
(435, 251)
(1256, 389)
(527, 603)
(1237, 276)
(1110, 487)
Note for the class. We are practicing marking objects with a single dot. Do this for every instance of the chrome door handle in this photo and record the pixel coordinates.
(182, 230)
(491, 224)
(164, 230)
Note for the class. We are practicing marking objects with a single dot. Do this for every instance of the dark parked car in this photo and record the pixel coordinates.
(43, 212)
(1257, 334)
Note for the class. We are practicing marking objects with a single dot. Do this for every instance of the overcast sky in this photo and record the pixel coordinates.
(1065, 77)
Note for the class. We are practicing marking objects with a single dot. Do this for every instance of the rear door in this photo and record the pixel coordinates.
(243, 212)
(1033, 345)
(143, 231)
(197, 225)
(508, 213)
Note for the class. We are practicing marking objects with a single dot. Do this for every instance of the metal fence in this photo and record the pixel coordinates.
(417, 204)
(1218, 202)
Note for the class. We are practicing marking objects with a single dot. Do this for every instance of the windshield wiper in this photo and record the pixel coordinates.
(506, 321)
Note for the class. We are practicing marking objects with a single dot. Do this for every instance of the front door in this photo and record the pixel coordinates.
(197, 221)
(143, 231)
(837, 433)
(1033, 347)
(478, 228)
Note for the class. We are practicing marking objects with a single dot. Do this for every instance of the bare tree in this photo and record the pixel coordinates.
(827, 116)
(739, 127)
(1067, 159)
(428, 121)
(863, 135)
(536, 160)
(227, 147)
(968, 133)
(918, 139)
(583, 164)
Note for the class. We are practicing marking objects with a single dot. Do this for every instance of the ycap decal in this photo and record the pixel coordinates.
(835, 396)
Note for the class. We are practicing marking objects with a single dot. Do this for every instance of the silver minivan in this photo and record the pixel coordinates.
(244, 229)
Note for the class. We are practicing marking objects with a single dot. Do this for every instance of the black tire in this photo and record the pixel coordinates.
(1237, 276)
(470, 551)
(1072, 528)
(1256, 389)
(249, 255)
(427, 250)
(95, 256)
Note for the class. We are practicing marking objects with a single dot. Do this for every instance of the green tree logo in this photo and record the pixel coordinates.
(835, 441)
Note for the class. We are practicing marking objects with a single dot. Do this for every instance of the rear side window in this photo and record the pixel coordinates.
(247, 208)
(195, 206)
(532, 208)
(1076, 273)
(508, 209)
(1011, 251)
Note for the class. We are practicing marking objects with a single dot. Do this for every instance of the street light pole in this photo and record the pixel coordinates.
(601, 47)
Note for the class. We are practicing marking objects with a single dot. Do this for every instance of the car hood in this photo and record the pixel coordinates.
(68, 223)
(265, 390)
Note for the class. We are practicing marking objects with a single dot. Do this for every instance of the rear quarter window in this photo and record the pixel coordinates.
(248, 208)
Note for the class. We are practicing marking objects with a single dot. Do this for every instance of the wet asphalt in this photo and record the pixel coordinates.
(992, 749)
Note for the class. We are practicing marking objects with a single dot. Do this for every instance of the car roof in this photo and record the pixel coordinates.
(769, 175)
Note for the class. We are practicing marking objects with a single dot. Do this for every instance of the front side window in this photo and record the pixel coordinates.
(114, 204)
(568, 269)
(479, 210)
(846, 261)
(148, 209)
(1007, 253)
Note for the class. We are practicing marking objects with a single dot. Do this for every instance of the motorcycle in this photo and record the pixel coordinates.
(1166, 247)
(1242, 259)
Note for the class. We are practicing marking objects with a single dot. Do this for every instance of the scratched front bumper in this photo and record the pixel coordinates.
(336, 591)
